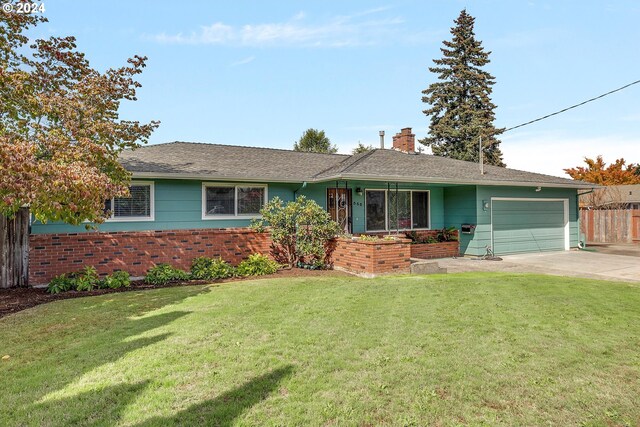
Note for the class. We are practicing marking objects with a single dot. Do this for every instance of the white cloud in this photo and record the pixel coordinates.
(243, 61)
(338, 31)
(551, 154)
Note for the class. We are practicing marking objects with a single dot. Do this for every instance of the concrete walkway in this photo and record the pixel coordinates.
(590, 265)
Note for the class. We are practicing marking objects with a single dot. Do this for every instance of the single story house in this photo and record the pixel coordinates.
(180, 190)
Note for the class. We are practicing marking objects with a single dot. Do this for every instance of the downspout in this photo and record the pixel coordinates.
(581, 244)
(304, 184)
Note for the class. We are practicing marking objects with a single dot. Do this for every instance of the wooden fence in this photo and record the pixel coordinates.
(611, 225)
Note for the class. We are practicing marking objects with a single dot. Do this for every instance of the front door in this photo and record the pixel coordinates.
(339, 206)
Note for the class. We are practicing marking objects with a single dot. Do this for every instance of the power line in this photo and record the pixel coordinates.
(573, 106)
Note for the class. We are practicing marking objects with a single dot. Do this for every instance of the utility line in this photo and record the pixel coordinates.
(573, 106)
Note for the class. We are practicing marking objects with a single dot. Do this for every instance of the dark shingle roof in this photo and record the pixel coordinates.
(217, 161)
(424, 167)
(228, 162)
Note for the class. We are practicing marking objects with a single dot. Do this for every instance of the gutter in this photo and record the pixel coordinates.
(186, 176)
(428, 180)
(359, 177)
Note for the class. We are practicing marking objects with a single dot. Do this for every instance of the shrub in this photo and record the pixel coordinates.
(204, 268)
(368, 238)
(116, 280)
(447, 235)
(162, 274)
(87, 279)
(257, 265)
(300, 230)
(416, 238)
(61, 283)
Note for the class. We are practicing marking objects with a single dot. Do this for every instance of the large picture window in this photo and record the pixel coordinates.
(138, 207)
(401, 210)
(230, 200)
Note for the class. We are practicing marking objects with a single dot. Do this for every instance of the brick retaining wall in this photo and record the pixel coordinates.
(136, 252)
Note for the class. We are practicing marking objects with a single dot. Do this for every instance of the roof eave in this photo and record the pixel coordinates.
(435, 180)
(210, 177)
(360, 177)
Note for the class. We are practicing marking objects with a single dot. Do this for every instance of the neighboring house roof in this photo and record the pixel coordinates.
(229, 162)
(618, 194)
(629, 193)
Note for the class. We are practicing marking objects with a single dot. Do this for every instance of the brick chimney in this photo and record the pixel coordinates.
(404, 141)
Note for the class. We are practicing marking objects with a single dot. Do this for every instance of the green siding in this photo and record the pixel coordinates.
(527, 226)
(178, 205)
(460, 208)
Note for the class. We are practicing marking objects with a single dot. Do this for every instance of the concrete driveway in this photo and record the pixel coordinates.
(574, 263)
(630, 249)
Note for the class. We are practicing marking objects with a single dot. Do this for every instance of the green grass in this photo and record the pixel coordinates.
(470, 349)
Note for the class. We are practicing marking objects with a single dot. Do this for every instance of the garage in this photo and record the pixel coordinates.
(529, 225)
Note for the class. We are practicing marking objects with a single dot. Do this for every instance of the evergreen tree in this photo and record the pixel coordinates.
(361, 148)
(461, 110)
(315, 141)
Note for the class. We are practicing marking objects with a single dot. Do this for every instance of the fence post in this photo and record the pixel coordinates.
(14, 249)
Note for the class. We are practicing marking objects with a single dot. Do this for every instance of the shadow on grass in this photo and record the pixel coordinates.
(90, 408)
(56, 349)
(223, 410)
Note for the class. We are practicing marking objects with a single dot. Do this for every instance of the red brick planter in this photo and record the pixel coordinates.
(432, 250)
(371, 258)
(435, 250)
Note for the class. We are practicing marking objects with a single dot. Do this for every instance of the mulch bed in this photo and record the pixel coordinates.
(13, 300)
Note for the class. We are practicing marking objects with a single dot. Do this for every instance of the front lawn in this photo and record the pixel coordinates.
(411, 350)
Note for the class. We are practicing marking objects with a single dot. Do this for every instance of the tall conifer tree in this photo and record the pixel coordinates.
(461, 110)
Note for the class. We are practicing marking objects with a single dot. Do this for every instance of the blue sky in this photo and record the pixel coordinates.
(259, 73)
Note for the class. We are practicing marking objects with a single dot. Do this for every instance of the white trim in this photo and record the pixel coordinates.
(152, 208)
(565, 204)
(235, 185)
(386, 208)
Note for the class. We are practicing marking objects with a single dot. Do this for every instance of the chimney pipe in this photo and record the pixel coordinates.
(381, 133)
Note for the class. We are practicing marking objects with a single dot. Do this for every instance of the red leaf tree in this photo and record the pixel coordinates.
(597, 172)
(60, 132)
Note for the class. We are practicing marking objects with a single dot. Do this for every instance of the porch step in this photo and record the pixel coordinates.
(427, 267)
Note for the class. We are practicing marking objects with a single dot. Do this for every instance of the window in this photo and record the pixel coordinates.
(376, 211)
(399, 210)
(402, 210)
(420, 207)
(230, 200)
(138, 207)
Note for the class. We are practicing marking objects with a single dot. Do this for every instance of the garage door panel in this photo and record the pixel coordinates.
(527, 226)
